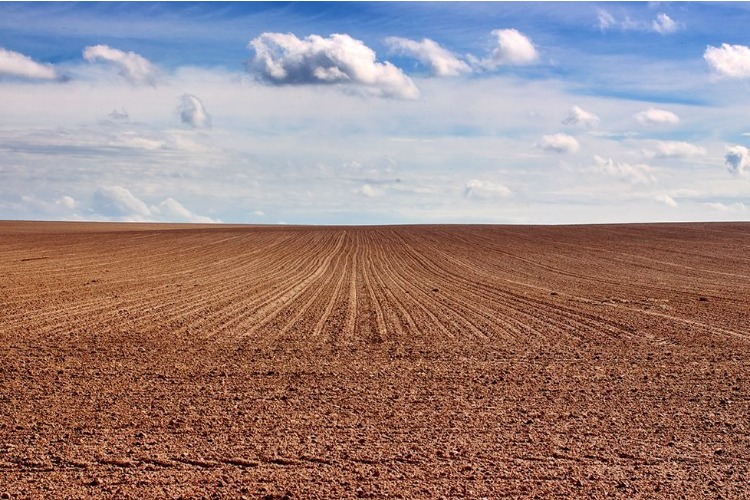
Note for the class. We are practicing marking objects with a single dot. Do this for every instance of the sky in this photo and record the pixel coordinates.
(375, 113)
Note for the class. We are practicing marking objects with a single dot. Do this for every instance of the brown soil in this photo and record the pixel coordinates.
(164, 361)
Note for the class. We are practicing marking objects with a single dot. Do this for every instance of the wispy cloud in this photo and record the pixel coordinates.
(635, 173)
(580, 118)
(666, 199)
(675, 149)
(731, 207)
(282, 58)
(134, 68)
(662, 24)
(440, 61)
(476, 188)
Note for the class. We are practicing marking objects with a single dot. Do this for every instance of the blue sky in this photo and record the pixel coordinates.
(369, 113)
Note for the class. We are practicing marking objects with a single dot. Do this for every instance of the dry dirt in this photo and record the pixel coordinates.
(142, 361)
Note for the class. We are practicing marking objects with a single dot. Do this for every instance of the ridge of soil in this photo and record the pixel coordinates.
(141, 361)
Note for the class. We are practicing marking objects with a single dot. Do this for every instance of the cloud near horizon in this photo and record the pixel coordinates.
(118, 203)
(284, 59)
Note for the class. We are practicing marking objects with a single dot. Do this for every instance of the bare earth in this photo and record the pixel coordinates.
(164, 361)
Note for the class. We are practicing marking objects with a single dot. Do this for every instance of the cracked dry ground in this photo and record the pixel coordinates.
(309, 362)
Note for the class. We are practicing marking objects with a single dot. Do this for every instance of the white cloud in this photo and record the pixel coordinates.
(67, 201)
(513, 48)
(580, 118)
(173, 210)
(192, 112)
(18, 65)
(731, 61)
(119, 202)
(654, 116)
(369, 191)
(476, 188)
(676, 149)
(133, 67)
(606, 20)
(666, 199)
(62, 207)
(664, 25)
(639, 173)
(339, 59)
(737, 159)
(722, 207)
(559, 143)
(441, 61)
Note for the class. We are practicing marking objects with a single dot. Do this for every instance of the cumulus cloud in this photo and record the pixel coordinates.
(62, 207)
(666, 199)
(730, 61)
(676, 149)
(133, 67)
(192, 112)
(664, 24)
(639, 173)
(513, 48)
(654, 116)
(441, 61)
(559, 143)
(737, 159)
(18, 65)
(476, 188)
(339, 59)
(580, 118)
(67, 201)
(119, 203)
(173, 210)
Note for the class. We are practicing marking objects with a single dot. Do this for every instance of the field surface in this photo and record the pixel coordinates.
(142, 361)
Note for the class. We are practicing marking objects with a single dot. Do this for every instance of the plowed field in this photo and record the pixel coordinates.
(329, 362)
